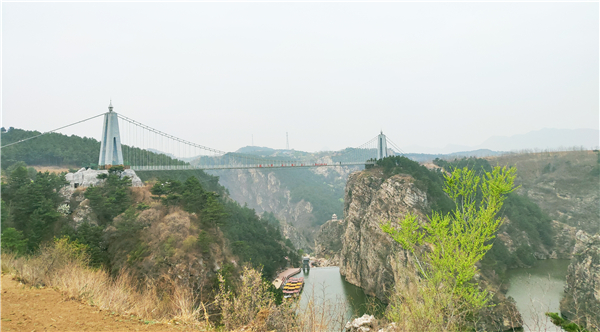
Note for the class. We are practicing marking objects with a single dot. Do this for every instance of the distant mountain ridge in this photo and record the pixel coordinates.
(546, 138)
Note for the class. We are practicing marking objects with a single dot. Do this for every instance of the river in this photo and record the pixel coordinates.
(538, 290)
(326, 285)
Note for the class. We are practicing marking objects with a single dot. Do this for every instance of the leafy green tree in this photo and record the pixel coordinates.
(40, 223)
(447, 293)
(204, 241)
(194, 197)
(159, 189)
(31, 206)
(111, 198)
(13, 241)
(526, 220)
(4, 214)
(18, 179)
(92, 237)
(214, 214)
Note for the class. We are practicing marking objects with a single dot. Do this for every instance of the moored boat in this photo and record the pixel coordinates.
(293, 287)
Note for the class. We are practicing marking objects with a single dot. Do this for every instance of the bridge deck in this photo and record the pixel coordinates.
(209, 167)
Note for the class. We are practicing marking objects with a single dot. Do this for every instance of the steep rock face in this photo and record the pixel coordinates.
(300, 198)
(581, 303)
(564, 240)
(370, 258)
(328, 243)
(263, 192)
(84, 213)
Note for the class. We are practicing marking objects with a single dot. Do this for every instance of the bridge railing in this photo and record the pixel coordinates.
(279, 165)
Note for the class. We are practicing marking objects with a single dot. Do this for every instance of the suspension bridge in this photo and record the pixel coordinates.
(140, 147)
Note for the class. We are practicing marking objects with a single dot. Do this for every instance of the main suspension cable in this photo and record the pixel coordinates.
(51, 131)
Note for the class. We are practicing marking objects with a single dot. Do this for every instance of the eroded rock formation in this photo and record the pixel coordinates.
(89, 177)
(370, 258)
(328, 243)
(581, 303)
(263, 192)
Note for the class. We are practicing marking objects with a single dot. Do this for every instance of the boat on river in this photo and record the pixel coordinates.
(293, 287)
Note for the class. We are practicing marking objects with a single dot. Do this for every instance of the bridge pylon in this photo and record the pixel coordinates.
(382, 150)
(110, 147)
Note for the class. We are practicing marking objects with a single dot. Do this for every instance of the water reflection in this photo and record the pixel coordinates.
(325, 284)
(538, 290)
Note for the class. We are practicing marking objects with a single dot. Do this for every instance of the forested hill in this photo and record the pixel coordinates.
(54, 149)
(50, 149)
(187, 215)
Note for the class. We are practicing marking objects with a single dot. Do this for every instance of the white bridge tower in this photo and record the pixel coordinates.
(110, 148)
(382, 151)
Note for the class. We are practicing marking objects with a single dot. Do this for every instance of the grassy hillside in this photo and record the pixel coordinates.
(565, 185)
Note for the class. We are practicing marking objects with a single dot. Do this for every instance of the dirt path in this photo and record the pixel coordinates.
(31, 309)
(52, 169)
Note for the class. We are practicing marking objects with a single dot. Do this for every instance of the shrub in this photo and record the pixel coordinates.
(63, 264)
(13, 241)
(189, 243)
(445, 296)
(240, 308)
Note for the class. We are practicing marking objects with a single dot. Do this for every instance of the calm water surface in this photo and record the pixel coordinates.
(538, 290)
(326, 284)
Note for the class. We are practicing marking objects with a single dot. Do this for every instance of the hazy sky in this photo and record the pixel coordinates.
(330, 74)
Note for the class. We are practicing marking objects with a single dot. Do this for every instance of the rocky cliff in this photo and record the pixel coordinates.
(328, 243)
(581, 303)
(372, 260)
(301, 199)
(263, 192)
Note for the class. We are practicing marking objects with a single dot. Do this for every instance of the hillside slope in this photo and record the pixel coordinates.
(26, 308)
(565, 185)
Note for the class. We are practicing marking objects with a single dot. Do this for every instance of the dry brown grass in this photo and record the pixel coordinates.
(62, 266)
(142, 194)
(53, 169)
(252, 308)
